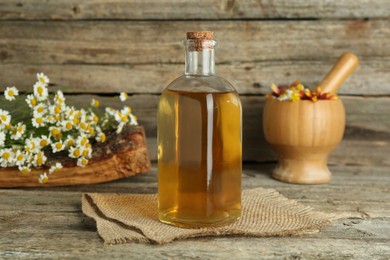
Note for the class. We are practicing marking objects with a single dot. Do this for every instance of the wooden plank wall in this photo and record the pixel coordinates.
(98, 48)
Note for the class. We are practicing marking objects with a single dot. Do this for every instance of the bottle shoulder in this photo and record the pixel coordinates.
(195, 83)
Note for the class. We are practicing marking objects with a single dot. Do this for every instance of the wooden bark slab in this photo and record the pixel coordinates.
(119, 157)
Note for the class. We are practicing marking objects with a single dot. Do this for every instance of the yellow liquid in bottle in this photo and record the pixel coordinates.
(199, 158)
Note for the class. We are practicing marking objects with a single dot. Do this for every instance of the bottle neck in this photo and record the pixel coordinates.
(200, 57)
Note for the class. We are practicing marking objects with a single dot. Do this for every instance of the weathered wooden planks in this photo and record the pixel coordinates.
(118, 42)
(371, 78)
(179, 9)
(48, 223)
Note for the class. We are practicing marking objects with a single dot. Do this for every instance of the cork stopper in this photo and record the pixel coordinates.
(200, 40)
(207, 35)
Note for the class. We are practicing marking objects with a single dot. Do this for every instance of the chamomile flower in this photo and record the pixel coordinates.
(82, 126)
(57, 146)
(95, 103)
(43, 79)
(24, 169)
(39, 159)
(37, 121)
(121, 118)
(69, 141)
(101, 137)
(55, 109)
(70, 112)
(43, 178)
(31, 101)
(55, 131)
(5, 118)
(87, 152)
(31, 145)
(2, 138)
(40, 91)
(59, 98)
(10, 93)
(82, 162)
(82, 140)
(90, 131)
(18, 131)
(40, 109)
(74, 152)
(67, 125)
(123, 96)
(20, 158)
(50, 119)
(43, 141)
(56, 167)
(93, 118)
(6, 157)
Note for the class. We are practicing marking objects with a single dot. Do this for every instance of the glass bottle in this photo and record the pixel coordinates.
(199, 143)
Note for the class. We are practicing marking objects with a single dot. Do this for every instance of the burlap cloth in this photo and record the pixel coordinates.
(265, 212)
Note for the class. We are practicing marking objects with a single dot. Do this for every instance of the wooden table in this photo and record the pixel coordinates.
(48, 223)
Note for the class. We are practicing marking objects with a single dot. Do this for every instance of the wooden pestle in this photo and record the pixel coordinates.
(344, 66)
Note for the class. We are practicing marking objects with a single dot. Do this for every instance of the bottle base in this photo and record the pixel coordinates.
(220, 218)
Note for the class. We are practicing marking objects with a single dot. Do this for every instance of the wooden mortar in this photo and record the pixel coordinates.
(304, 133)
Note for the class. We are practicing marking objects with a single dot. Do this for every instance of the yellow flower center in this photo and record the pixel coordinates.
(76, 121)
(103, 137)
(58, 146)
(84, 162)
(42, 79)
(76, 152)
(55, 131)
(70, 142)
(11, 93)
(39, 160)
(44, 180)
(40, 109)
(39, 120)
(83, 126)
(20, 129)
(40, 90)
(84, 141)
(57, 109)
(85, 153)
(6, 155)
(3, 118)
(96, 119)
(20, 157)
(68, 125)
(33, 102)
(125, 119)
(43, 142)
